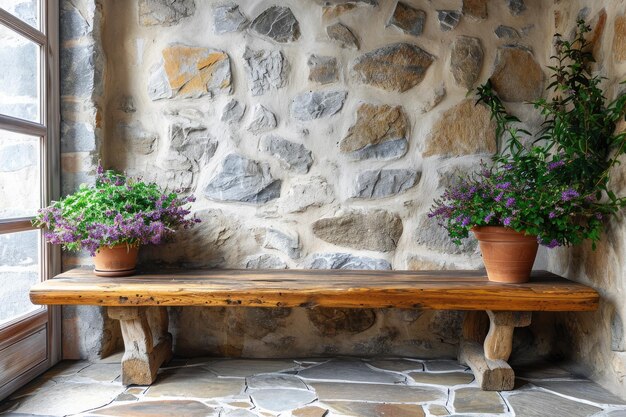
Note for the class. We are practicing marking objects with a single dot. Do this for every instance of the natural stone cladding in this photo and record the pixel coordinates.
(314, 134)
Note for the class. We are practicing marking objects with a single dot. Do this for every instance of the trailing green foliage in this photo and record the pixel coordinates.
(557, 186)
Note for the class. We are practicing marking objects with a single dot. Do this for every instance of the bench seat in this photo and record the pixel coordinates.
(494, 309)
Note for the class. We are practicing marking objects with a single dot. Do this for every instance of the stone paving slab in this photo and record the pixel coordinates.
(202, 385)
(280, 400)
(532, 403)
(244, 368)
(289, 388)
(328, 391)
(65, 398)
(354, 371)
(355, 409)
(185, 408)
(397, 365)
(442, 378)
(584, 390)
(474, 400)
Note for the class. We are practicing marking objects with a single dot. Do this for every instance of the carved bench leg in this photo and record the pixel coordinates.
(147, 343)
(487, 358)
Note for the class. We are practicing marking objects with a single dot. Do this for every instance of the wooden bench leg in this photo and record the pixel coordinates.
(147, 343)
(487, 352)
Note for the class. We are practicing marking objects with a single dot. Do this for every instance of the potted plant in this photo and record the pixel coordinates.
(112, 218)
(553, 191)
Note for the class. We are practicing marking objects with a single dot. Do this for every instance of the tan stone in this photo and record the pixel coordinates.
(438, 410)
(159, 408)
(473, 400)
(375, 230)
(312, 411)
(187, 66)
(191, 70)
(418, 263)
(466, 60)
(595, 36)
(517, 75)
(330, 391)
(397, 67)
(374, 125)
(476, 9)
(358, 409)
(619, 39)
(332, 12)
(465, 129)
(442, 378)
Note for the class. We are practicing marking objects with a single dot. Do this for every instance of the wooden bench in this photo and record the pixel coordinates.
(139, 303)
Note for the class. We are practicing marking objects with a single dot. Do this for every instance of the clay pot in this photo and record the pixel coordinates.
(508, 255)
(118, 261)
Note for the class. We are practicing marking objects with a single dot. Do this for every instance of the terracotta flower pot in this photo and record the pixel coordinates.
(508, 255)
(118, 261)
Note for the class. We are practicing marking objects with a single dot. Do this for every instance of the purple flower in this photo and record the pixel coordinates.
(508, 167)
(554, 165)
(510, 202)
(552, 215)
(553, 244)
(466, 221)
(498, 198)
(599, 216)
(488, 217)
(503, 185)
(506, 221)
(569, 194)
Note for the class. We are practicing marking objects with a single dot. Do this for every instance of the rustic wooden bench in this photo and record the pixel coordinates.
(139, 303)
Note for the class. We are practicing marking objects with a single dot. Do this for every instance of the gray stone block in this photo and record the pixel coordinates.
(78, 71)
(228, 18)
(242, 179)
(383, 183)
(391, 149)
(294, 156)
(77, 137)
(347, 261)
(266, 70)
(286, 242)
(278, 24)
(317, 104)
(164, 12)
(448, 19)
(233, 112)
(262, 120)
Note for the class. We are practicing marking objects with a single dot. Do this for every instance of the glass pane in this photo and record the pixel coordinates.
(19, 76)
(26, 10)
(19, 175)
(19, 269)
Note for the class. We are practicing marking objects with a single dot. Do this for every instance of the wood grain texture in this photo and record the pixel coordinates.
(499, 341)
(461, 290)
(146, 341)
(491, 375)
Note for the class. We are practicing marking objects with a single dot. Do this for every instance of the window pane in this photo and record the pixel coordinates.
(19, 269)
(19, 76)
(26, 10)
(19, 175)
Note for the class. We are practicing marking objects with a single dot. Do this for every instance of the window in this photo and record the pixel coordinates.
(29, 176)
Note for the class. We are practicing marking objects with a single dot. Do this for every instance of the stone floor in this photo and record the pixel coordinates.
(307, 388)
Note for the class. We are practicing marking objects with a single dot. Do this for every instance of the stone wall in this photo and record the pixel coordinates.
(314, 134)
(596, 342)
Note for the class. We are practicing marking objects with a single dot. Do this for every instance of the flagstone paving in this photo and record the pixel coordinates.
(312, 387)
